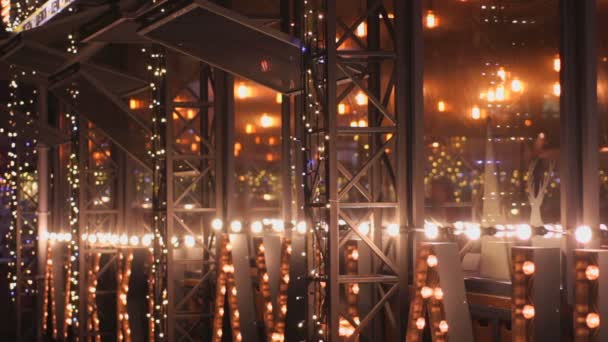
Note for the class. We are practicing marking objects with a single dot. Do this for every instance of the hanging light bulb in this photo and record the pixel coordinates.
(431, 19)
(475, 113)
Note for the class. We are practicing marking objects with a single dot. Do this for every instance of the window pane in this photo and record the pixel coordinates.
(491, 96)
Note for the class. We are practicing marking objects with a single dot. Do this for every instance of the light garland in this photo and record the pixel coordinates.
(92, 310)
(125, 260)
(49, 295)
(159, 194)
(225, 287)
(351, 255)
(73, 177)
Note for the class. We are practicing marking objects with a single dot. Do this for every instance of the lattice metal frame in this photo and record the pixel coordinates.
(357, 195)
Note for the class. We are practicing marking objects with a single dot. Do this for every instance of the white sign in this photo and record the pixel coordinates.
(43, 14)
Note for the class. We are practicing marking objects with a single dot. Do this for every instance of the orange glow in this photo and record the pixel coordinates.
(528, 122)
(362, 123)
(426, 292)
(592, 272)
(341, 109)
(237, 148)
(362, 30)
(431, 260)
(175, 116)
(528, 268)
(279, 98)
(475, 113)
(361, 98)
(441, 106)
(431, 20)
(443, 327)
(438, 293)
(593, 320)
(420, 323)
(243, 91)
(194, 147)
(272, 141)
(500, 93)
(135, 104)
(267, 121)
(517, 86)
(557, 63)
(190, 114)
(528, 312)
(354, 124)
(258, 140)
(249, 128)
(502, 74)
(269, 157)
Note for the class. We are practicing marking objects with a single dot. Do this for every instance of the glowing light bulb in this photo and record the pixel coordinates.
(266, 120)
(361, 98)
(217, 224)
(431, 20)
(256, 227)
(583, 234)
(557, 63)
(420, 323)
(517, 86)
(438, 293)
(278, 226)
(341, 109)
(301, 227)
(426, 292)
(443, 327)
(243, 91)
(523, 231)
(528, 268)
(189, 241)
(592, 272)
(431, 230)
(236, 226)
(362, 30)
(472, 231)
(592, 320)
(475, 113)
(364, 228)
(501, 73)
(528, 311)
(393, 229)
(441, 106)
(557, 89)
(431, 260)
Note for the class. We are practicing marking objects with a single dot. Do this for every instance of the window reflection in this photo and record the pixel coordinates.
(491, 96)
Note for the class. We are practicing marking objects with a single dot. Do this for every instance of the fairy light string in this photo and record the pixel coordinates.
(156, 67)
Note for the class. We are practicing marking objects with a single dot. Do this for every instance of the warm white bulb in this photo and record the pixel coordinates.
(393, 229)
(472, 231)
(189, 241)
(217, 224)
(364, 228)
(523, 231)
(236, 226)
(431, 230)
(583, 234)
(256, 227)
(301, 227)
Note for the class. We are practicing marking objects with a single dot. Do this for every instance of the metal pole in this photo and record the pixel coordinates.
(330, 108)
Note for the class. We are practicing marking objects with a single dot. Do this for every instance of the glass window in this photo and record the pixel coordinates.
(492, 126)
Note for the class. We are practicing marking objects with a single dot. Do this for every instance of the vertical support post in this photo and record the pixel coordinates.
(410, 130)
(172, 277)
(224, 114)
(286, 208)
(43, 208)
(333, 260)
(82, 160)
(578, 122)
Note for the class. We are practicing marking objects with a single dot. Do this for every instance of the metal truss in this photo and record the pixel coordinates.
(193, 201)
(101, 209)
(352, 200)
